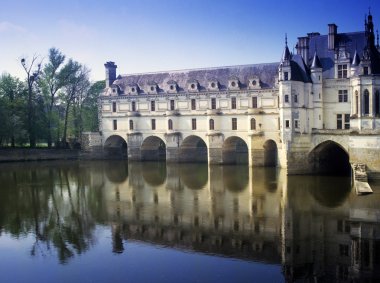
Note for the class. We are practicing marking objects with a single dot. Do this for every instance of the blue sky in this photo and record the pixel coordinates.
(155, 35)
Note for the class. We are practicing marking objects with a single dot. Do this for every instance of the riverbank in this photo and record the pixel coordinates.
(36, 154)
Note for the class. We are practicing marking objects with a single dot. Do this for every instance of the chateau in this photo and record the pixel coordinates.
(315, 111)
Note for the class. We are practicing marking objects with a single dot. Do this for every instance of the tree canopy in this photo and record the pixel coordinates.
(53, 105)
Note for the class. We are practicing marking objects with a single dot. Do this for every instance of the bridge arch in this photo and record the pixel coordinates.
(153, 149)
(235, 151)
(330, 157)
(193, 149)
(270, 153)
(115, 147)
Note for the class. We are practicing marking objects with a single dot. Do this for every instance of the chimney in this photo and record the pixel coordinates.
(333, 29)
(110, 73)
(303, 48)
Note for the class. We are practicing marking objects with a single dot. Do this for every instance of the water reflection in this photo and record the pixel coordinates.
(315, 227)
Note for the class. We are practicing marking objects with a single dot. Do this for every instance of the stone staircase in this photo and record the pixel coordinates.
(361, 179)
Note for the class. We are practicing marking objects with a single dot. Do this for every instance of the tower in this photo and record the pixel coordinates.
(316, 77)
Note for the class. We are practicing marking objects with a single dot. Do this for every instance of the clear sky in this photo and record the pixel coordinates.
(155, 35)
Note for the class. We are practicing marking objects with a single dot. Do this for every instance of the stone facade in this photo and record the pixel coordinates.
(303, 113)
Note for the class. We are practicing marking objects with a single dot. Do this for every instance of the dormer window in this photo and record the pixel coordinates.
(213, 84)
(234, 83)
(342, 71)
(133, 89)
(152, 88)
(193, 85)
(172, 86)
(365, 70)
(254, 83)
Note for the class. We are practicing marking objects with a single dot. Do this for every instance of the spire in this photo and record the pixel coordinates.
(355, 60)
(316, 63)
(286, 55)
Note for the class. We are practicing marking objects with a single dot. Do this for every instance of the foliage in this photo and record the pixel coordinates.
(53, 106)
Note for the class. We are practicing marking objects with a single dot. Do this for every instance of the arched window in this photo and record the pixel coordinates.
(377, 103)
(170, 124)
(356, 102)
(366, 102)
(253, 124)
(211, 124)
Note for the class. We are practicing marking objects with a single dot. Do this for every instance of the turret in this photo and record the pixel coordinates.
(110, 73)
(284, 68)
(316, 76)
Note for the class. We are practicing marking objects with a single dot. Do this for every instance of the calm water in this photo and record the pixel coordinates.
(151, 222)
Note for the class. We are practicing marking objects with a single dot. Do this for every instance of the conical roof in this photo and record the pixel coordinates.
(316, 63)
(355, 60)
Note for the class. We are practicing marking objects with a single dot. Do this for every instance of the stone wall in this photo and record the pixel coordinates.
(34, 154)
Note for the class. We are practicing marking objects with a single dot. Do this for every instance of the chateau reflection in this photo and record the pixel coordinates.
(315, 227)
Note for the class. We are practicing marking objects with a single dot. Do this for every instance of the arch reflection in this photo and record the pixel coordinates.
(309, 225)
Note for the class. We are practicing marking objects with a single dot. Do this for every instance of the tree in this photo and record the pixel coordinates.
(52, 80)
(12, 109)
(90, 120)
(32, 74)
(77, 84)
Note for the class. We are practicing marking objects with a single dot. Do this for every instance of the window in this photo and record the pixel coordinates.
(171, 104)
(213, 103)
(211, 124)
(254, 102)
(365, 70)
(234, 123)
(342, 121)
(287, 124)
(170, 124)
(286, 76)
(342, 71)
(296, 124)
(342, 95)
(133, 106)
(115, 124)
(131, 124)
(152, 106)
(233, 102)
(356, 102)
(286, 98)
(377, 103)
(113, 106)
(343, 250)
(153, 122)
(253, 124)
(194, 124)
(366, 102)
(295, 98)
(193, 106)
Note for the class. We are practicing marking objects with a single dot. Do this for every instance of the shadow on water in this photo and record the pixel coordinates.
(193, 175)
(154, 173)
(328, 191)
(116, 171)
(235, 177)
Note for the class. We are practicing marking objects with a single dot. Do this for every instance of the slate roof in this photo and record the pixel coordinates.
(267, 73)
(352, 41)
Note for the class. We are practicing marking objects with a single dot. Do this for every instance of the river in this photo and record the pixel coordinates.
(113, 221)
